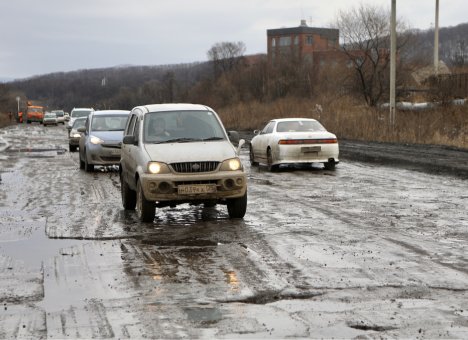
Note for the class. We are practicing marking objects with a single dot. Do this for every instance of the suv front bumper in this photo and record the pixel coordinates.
(207, 186)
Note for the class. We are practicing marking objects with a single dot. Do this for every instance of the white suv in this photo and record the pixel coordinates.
(78, 112)
(180, 153)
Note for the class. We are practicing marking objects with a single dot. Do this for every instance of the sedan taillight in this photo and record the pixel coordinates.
(308, 141)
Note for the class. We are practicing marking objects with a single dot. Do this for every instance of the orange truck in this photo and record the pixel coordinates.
(34, 114)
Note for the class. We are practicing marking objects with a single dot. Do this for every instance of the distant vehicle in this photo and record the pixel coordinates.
(60, 116)
(102, 138)
(78, 112)
(50, 118)
(74, 135)
(294, 140)
(180, 153)
(34, 113)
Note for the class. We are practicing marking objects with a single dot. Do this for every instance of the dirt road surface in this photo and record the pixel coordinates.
(369, 250)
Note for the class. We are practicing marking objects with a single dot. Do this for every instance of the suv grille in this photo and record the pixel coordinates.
(190, 167)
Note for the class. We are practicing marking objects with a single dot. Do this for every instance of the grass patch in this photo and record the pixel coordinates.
(444, 125)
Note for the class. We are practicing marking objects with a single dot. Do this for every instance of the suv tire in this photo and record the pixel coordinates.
(128, 195)
(145, 209)
(237, 206)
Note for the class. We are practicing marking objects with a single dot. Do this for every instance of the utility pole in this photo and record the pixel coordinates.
(392, 64)
(436, 39)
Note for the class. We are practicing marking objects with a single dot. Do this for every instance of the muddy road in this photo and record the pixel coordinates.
(367, 250)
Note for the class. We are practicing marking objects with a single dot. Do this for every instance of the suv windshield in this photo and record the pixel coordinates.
(181, 126)
(80, 113)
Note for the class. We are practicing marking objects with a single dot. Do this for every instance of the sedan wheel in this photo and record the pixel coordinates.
(252, 157)
(145, 209)
(330, 165)
(271, 167)
(88, 167)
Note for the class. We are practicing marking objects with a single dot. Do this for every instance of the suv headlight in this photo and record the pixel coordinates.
(231, 164)
(158, 168)
(95, 140)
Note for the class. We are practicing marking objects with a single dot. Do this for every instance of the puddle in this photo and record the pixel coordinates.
(202, 315)
(35, 250)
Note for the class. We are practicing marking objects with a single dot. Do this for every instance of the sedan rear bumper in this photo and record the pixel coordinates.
(319, 153)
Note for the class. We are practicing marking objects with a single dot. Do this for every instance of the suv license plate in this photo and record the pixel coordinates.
(196, 189)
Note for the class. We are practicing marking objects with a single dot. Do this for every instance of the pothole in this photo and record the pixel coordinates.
(366, 327)
(263, 298)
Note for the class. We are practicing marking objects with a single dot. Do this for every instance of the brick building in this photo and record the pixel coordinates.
(300, 43)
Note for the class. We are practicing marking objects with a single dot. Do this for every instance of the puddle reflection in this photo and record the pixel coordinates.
(37, 249)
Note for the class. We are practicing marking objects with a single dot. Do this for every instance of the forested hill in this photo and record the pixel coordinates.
(453, 45)
(110, 87)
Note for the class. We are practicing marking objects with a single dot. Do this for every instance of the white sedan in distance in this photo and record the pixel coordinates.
(294, 141)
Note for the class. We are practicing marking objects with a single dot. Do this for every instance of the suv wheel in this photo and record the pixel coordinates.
(72, 148)
(237, 206)
(145, 209)
(128, 195)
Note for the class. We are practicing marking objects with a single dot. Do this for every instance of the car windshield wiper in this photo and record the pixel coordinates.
(179, 140)
(212, 138)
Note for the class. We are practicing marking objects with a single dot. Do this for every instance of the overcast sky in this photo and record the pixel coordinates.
(45, 36)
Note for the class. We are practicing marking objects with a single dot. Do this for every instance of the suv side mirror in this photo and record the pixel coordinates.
(129, 139)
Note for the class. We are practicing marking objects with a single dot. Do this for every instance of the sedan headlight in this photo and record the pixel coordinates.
(231, 164)
(158, 168)
(76, 135)
(95, 140)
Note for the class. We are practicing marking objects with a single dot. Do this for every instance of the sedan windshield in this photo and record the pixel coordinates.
(79, 123)
(109, 123)
(182, 127)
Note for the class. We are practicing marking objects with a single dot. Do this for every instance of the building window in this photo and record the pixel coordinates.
(273, 42)
(309, 40)
(296, 40)
(285, 41)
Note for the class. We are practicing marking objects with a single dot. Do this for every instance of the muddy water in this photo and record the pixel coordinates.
(363, 251)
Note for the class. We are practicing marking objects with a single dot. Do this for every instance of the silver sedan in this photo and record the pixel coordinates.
(101, 138)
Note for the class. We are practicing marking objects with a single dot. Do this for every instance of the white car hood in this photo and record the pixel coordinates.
(191, 152)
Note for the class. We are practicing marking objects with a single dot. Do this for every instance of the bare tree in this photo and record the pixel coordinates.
(365, 35)
(225, 56)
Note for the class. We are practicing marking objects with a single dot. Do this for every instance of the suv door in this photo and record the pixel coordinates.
(128, 152)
